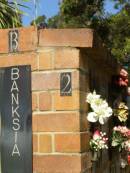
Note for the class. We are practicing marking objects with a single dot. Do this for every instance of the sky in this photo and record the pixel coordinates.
(50, 8)
(47, 7)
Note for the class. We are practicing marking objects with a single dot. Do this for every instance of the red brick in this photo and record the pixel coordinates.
(84, 123)
(45, 60)
(51, 80)
(57, 164)
(67, 143)
(66, 102)
(35, 143)
(58, 122)
(34, 123)
(4, 41)
(75, 80)
(66, 37)
(45, 81)
(45, 101)
(27, 38)
(19, 59)
(72, 142)
(34, 101)
(66, 58)
(45, 144)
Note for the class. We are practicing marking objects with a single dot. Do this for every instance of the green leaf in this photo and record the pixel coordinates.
(115, 143)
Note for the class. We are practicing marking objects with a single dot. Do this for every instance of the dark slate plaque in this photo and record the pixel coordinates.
(65, 84)
(13, 40)
(16, 119)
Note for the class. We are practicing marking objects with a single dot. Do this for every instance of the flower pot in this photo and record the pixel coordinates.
(123, 159)
(123, 163)
(95, 156)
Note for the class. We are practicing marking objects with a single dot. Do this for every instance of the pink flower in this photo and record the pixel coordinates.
(99, 141)
(127, 133)
(115, 128)
(122, 129)
(127, 145)
(123, 73)
(123, 79)
(105, 139)
(96, 135)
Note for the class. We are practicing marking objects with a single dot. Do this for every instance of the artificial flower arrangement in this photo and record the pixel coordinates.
(98, 142)
(100, 113)
(121, 140)
(121, 112)
(100, 109)
(121, 134)
(121, 137)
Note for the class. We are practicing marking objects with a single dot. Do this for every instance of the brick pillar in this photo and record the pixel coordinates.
(59, 139)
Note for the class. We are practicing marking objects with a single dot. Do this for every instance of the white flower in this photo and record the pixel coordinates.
(99, 103)
(100, 114)
(95, 103)
(92, 96)
(92, 117)
(102, 120)
(109, 111)
(101, 110)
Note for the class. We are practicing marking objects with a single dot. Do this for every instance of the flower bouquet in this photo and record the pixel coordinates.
(100, 109)
(97, 143)
(121, 139)
(121, 112)
(127, 148)
(119, 136)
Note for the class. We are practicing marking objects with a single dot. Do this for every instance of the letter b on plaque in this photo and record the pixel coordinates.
(13, 40)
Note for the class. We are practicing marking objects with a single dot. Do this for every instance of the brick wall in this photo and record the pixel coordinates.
(60, 129)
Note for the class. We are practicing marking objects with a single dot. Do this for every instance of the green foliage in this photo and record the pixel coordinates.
(10, 13)
(113, 29)
(117, 140)
(55, 21)
(77, 13)
(40, 19)
(119, 34)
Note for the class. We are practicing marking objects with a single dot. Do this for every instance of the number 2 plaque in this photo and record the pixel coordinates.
(65, 84)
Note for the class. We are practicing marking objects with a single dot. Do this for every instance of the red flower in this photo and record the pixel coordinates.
(123, 78)
(128, 159)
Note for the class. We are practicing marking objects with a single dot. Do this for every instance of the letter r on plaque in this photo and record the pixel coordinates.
(13, 40)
